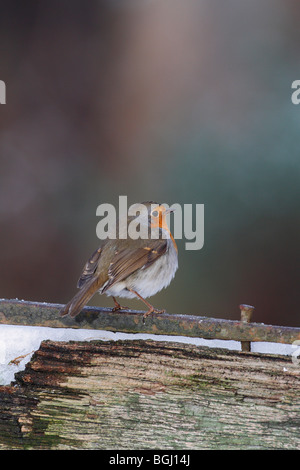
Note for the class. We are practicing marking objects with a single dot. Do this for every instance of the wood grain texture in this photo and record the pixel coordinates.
(151, 395)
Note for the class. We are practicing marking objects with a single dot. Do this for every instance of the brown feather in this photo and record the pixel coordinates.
(82, 297)
(125, 262)
(89, 268)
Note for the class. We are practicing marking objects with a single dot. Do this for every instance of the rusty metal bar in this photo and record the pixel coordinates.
(19, 312)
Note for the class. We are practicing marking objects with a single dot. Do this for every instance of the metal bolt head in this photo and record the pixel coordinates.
(246, 312)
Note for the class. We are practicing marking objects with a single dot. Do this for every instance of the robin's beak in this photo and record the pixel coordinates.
(168, 211)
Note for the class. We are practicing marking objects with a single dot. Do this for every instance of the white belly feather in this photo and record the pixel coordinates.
(148, 281)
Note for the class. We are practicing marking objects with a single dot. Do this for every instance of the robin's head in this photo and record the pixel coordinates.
(152, 214)
(157, 219)
(157, 216)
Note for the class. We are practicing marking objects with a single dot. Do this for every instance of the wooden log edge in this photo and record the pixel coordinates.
(148, 394)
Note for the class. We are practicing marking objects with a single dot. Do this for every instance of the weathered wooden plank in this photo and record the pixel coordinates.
(151, 395)
(16, 312)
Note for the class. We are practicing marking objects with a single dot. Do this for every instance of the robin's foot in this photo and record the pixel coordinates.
(150, 307)
(152, 310)
(118, 306)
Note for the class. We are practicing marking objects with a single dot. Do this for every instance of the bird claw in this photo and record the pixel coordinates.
(152, 310)
(121, 307)
(118, 306)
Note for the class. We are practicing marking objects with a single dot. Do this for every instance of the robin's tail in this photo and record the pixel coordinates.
(81, 298)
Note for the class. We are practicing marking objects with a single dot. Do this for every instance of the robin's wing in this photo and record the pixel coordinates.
(89, 268)
(126, 261)
(88, 283)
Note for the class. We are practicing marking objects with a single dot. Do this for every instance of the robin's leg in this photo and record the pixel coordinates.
(118, 306)
(150, 307)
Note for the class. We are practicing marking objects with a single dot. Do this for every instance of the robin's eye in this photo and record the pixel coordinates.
(155, 214)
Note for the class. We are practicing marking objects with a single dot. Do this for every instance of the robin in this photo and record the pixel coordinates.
(129, 267)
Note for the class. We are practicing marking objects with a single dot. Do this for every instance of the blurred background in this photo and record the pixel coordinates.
(174, 101)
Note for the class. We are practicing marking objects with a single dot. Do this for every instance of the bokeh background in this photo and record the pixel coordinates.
(165, 100)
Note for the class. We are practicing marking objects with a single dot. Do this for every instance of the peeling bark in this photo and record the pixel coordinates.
(151, 395)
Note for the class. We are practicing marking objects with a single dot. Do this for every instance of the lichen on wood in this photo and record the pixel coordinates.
(151, 395)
